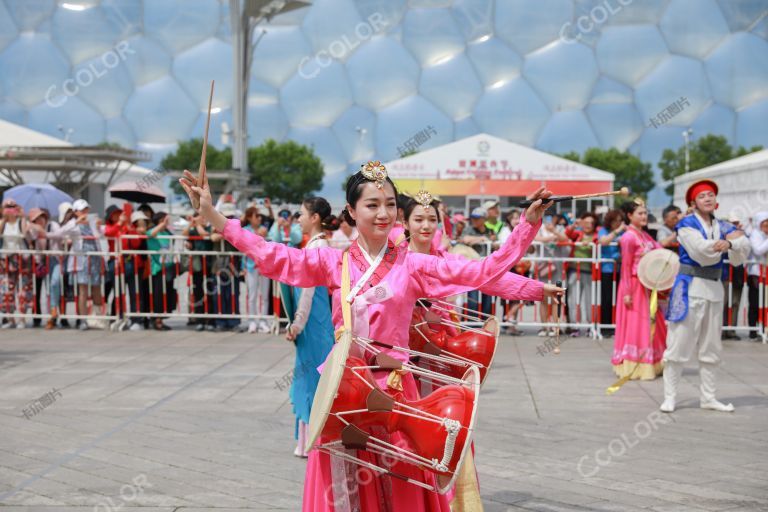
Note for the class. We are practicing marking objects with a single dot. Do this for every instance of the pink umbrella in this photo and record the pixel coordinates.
(137, 192)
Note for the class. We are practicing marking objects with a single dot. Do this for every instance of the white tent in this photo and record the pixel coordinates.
(13, 135)
(742, 184)
(19, 139)
(484, 166)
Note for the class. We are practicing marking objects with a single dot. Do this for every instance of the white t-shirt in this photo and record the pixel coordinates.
(12, 236)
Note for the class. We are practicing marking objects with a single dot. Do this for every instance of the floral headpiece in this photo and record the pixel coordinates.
(424, 198)
(375, 171)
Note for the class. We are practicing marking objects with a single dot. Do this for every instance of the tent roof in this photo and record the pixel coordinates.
(15, 135)
(20, 137)
(444, 162)
(489, 166)
(756, 159)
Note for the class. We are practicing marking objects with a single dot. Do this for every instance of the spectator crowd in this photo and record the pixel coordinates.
(85, 261)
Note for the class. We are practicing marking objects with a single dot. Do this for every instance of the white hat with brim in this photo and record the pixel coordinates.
(228, 210)
(63, 209)
(138, 215)
(80, 205)
(479, 213)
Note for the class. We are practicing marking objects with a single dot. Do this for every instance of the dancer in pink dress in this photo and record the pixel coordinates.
(421, 216)
(387, 282)
(634, 353)
(421, 224)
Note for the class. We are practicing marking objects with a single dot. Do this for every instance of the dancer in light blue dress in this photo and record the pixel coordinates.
(312, 326)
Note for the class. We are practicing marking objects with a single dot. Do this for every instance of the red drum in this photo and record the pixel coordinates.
(349, 407)
(475, 345)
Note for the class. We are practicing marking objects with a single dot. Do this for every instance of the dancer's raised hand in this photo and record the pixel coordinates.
(199, 193)
(535, 212)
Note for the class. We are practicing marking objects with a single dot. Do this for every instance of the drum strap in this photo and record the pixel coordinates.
(346, 310)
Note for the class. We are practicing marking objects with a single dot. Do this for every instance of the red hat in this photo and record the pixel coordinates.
(697, 188)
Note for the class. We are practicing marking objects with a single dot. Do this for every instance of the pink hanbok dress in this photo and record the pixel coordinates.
(381, 310)
(465, 497)
(633, 350)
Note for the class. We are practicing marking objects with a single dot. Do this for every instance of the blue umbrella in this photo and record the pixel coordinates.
(37, 195)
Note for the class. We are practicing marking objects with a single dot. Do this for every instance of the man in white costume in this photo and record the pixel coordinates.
(695, 313)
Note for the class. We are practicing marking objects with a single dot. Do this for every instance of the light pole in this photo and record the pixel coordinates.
(244, 16)
(687, 138)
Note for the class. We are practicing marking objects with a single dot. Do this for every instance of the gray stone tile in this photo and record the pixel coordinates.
(200, 415)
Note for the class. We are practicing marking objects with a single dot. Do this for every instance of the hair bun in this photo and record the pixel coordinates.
(347, 217)
(330, 223)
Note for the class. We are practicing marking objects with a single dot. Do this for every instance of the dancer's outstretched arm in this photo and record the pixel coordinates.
(439, 277)
(304, 268)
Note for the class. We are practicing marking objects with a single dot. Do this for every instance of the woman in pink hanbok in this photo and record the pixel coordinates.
(634, 352)
(421, 220)
(387, 281)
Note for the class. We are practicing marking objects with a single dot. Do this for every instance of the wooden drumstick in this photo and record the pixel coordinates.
(558, 307)
(623, 191)
(201, 177)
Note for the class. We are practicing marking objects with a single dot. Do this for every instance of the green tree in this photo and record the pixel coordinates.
(706, 151)
(287, 171)
(187, 156)
(573, 156)
(628, 170)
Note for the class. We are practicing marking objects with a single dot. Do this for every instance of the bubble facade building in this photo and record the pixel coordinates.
(356, 78)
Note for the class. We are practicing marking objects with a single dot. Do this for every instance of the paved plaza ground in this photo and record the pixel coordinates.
(182, 421)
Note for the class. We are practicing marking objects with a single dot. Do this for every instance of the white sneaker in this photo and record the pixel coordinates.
(668, 405)
(264, 327)
(716, 405)
(542, 333)
(8, 325)
(83, 326)
(136, 327)
(21, 325)
(251, 327)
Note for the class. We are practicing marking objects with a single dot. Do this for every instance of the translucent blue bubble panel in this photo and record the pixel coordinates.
(355, 79)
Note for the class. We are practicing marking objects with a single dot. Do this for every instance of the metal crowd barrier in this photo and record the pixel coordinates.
(216, 292)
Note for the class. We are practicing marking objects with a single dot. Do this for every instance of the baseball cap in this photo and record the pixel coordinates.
(479, 213)
(491, 203)
(80, 205)
(138, 215)
(284, 213)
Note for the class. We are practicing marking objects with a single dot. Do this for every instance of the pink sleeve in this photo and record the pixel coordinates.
(510, 286)
(513, 286)
(437, 241)
(440, 277)
(297, 267)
